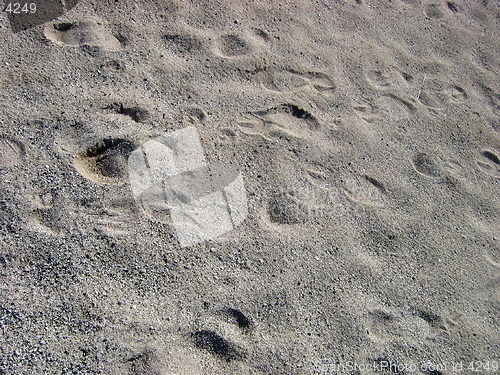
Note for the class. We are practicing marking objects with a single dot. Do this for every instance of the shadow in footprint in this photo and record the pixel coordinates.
(488, 163)
(236, 316)
(426, 165)
(380, 325)
(182, 43)
(435, 321)
(285, 208)
(194, 115)
(106, 161)
(217, 345)
(434, 11)
(135, 113)
(365, 109)
(285, 118)
(365, 190)
(232, 45)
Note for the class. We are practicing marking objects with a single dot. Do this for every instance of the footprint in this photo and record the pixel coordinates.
(366, 190)
(86, 33)
(217, 345)
(254, 125)
(49, 213)
(455, 168)
(437, 94)
(228, 134)
(380, 325)
(106, 161)
(11, 152)
(286, 119)
(286, 208)
(321, 81)
(426, 165)
(232, 45)
(147, 362)
(223, 335)
(365, 109)
(113, 221)
(112, 66)
(317, 177)
(182, 44)
(435, 321)
(488, 163)
(237, 317)
(434, 11)
(408, 106)
(387, 77)
(283, 80)
(194, 115)
(493, 256)
(261, 34)
(284, 113)
(135, 113)
(393, 107)
(381, 78)
(457, 94)
(433, 95)
(44, 221)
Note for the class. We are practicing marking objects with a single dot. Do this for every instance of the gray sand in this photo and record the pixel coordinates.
(367, 136)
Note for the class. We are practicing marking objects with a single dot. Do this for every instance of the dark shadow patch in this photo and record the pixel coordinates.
(284, 208)
(135, 113)
(182, 44)
(233, 45)
(105, 161)
(294, 111)
(112, 66)
(375, 183)
(64, 26)
(434, 11)
(194, 115)
(491, 156)
(452, 6)
(407, 77)
(261, 34)
(217, 345)
(433, 320)
(381, 316)
(244, 323)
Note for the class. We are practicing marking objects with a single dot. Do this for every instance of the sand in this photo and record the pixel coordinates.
(367, 136)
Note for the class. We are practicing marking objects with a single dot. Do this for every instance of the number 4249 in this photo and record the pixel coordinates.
(17, 8)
